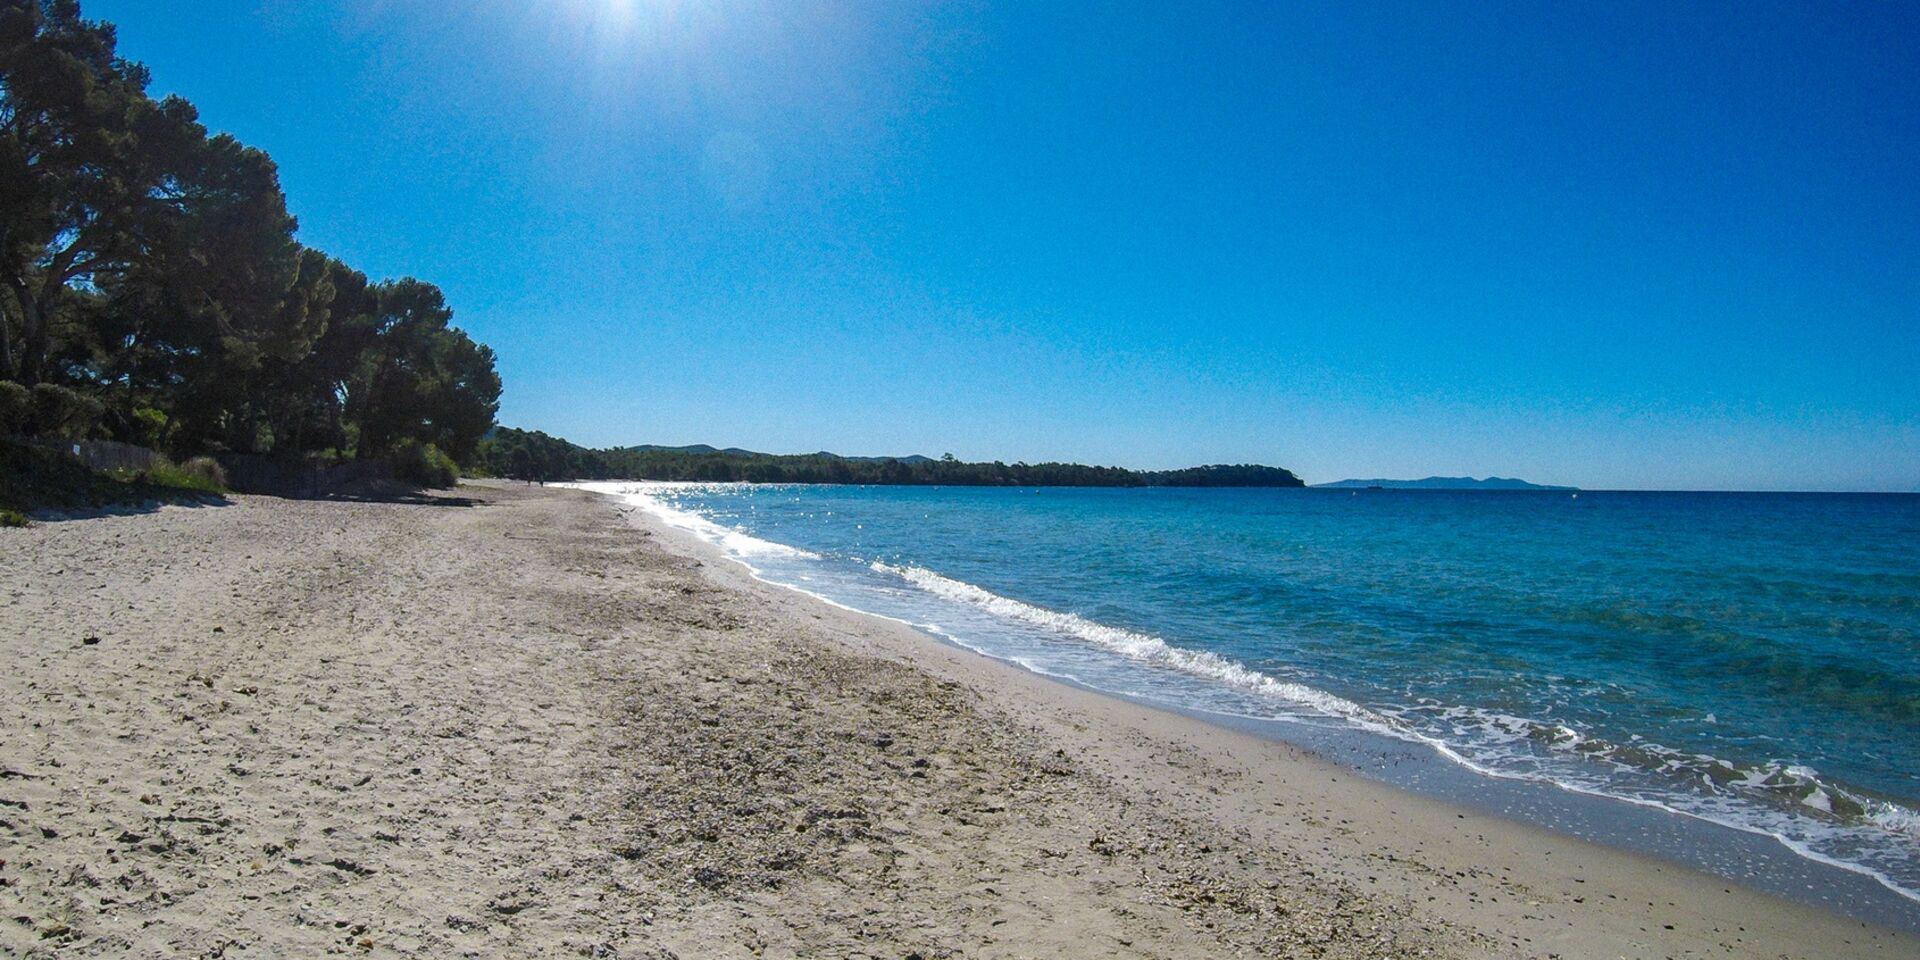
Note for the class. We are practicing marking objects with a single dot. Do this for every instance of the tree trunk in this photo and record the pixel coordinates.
(33, 335)
(6, 348)
(33, 356)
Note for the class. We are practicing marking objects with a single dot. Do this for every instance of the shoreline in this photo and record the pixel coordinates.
(1648, 837)
(510, 721)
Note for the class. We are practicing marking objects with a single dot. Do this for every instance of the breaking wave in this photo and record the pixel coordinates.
(1790, 802)
(1809, 813)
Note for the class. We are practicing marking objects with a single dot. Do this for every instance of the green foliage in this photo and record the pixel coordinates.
(425, 465)
(421, 380)
(532, 455)
(207, 471)
(152, 291)
(34, 477)
(12, 518)
(148, 427)
(65, 414)
(16, 409)
(200, 475)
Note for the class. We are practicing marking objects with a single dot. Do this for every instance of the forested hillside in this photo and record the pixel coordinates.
(532, 455)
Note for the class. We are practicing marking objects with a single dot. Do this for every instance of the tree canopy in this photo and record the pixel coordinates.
(154, 291)
(532, 455)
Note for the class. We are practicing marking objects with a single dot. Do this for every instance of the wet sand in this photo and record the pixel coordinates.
(526, 722)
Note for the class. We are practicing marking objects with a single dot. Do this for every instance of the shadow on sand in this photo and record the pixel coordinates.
(127, 508)
(410, 497)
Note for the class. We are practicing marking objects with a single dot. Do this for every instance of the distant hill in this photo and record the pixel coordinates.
(1441, 483)
(523, 454)
(691, 448)
(911, 458)
(738, 452)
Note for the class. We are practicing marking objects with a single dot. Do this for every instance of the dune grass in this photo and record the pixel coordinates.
(199, 475)
(37, 478)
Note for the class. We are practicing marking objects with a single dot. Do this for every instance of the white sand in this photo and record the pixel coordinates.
(526, 728)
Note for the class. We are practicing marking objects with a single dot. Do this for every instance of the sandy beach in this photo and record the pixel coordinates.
(522, 721)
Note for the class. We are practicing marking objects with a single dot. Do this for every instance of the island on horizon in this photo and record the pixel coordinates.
(1441, 483)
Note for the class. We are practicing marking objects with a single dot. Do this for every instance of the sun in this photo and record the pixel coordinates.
(627, 11)
(608, 38)
(618, 17)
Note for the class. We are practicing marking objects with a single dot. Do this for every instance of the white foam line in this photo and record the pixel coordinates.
(736, 545)
(639, 494)
(1142, 647)
(734, 542)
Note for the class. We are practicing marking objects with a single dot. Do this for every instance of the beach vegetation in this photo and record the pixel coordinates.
(206, 471)
(155, 293)
(64, 413)
(199, 475)
(16, 408)
(425, 465)
(38, 475)
(149, 427)
(12, 518)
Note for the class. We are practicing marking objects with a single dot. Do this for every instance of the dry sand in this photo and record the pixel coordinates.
(520, 723)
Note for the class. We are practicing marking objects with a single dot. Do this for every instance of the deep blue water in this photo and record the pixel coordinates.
(1751, 659)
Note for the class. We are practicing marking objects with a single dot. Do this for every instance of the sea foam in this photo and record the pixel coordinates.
(1143, 648)
(651, 498)
(1488, 743)
(1836, 825)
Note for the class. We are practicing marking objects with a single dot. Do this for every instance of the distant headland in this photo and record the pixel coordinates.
(1440, 483)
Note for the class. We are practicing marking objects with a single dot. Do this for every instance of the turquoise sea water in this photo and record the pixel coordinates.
(1752, 660)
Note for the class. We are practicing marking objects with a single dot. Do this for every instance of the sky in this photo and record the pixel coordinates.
(1609, 245)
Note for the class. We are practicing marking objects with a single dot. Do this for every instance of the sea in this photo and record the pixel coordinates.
(1728, 680)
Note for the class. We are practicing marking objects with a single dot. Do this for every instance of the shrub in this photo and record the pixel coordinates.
(207, 470)
(16, 408)
(200, 475)
(12, 518)
(63, 413)
(32, 477)
(149, 427)
(425, 465)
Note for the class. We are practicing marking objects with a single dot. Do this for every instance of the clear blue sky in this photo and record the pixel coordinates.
(1600, 244)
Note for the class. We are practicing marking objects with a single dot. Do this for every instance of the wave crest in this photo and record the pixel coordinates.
(1144, 648)
(647, 497)
(1501, 737)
